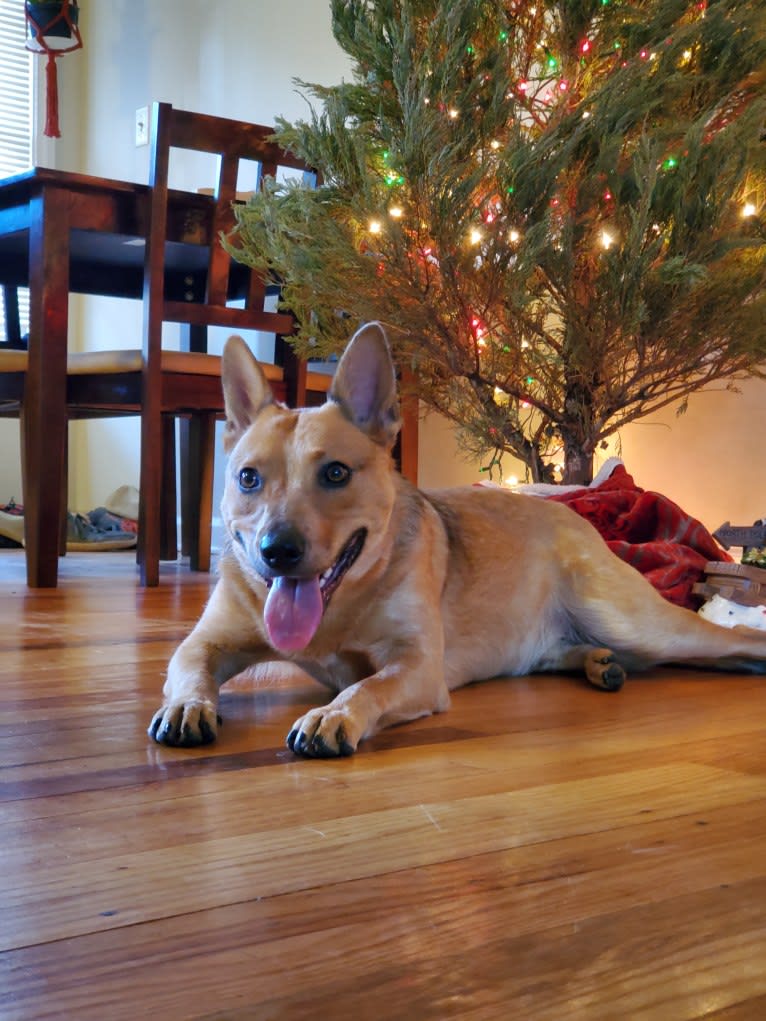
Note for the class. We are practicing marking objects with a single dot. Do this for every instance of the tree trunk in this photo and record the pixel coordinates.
(578, 466)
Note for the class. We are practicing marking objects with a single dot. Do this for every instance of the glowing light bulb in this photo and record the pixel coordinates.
(396, 211)
(475, 236)
(494, 144)
(454, 114)
(513, 236)
(607, 240)
(749, 209)
(375, 227)
(512, 480)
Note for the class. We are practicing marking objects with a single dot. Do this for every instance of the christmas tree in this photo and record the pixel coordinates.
(556, 208)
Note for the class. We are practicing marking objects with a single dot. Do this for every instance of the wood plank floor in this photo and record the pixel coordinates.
(542, 851)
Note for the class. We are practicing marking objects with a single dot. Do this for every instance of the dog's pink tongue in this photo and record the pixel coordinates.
(293, 612)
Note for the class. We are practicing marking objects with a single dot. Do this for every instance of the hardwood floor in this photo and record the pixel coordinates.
(542, 851)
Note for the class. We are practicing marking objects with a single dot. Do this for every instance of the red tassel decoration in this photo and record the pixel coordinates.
(64, 24)
(51, 98)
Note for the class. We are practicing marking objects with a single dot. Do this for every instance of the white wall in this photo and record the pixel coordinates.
(239, 58)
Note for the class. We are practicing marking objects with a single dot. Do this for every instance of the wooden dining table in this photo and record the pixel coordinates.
(63, 232)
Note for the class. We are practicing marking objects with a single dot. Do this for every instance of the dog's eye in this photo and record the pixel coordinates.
(249, 480)
(334, 474)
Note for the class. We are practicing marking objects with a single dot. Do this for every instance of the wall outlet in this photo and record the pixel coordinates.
(142, 125)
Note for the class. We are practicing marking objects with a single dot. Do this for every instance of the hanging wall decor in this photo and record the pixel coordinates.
(52, 29)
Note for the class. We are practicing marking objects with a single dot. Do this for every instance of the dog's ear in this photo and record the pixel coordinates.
(246, 391)
(364, 385)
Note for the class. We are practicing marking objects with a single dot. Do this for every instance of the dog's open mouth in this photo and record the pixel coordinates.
(294, 606)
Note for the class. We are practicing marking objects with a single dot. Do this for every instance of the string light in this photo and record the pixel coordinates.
(749, 210)
(607, 240)
(396, 211)
(475, 236)
(375, 227)
(513, 236)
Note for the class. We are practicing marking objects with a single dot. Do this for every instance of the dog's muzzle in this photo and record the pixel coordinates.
(295, 602)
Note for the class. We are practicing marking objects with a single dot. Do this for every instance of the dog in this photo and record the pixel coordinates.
(392, 596)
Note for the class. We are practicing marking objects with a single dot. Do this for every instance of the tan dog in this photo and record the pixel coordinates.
(391, 596)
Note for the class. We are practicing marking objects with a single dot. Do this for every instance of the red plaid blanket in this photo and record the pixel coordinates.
(652, 533)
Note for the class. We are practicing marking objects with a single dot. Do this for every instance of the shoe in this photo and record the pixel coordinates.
(83, 535)
(11, 529)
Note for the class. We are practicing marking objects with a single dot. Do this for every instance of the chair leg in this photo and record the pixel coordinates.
(150, 489)
(200, 461)
(188, 506)
(64, 498)
(294, 369)
(168, 526)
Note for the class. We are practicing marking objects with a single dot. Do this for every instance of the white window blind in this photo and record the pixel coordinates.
(15, 112)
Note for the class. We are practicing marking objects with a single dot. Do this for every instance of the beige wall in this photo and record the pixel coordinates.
(239, 58)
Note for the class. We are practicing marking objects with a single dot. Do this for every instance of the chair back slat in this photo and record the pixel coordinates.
(233, 141)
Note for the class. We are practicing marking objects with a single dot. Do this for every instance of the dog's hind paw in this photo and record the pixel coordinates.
(320, 735)
(185, 724)
(603, 671)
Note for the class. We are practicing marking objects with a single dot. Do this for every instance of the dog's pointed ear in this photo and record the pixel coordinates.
(246, 391)
(364, 385)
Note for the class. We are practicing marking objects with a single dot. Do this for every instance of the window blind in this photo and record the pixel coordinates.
(15, 113)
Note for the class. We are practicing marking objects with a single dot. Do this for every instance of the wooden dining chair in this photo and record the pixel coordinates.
(161, 385)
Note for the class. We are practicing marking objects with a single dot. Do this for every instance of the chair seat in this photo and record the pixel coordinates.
(13, 361)
(109, 362)
(190, 362)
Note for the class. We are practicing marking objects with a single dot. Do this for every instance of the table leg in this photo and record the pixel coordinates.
(45, 417)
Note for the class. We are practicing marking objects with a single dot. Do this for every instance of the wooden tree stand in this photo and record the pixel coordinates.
(741, 583)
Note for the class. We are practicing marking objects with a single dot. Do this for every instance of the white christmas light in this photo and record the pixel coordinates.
(749, 209)
(607, 240)
(475, 236)
(396, 211)
(375, 227)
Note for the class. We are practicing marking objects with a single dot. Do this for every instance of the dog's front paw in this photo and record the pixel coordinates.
(185, 724)
(323, 734)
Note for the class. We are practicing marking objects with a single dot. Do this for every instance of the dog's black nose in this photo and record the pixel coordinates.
(282, 548)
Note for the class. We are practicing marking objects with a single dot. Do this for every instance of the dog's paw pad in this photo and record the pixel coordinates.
(603, 671)
(613, 678)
